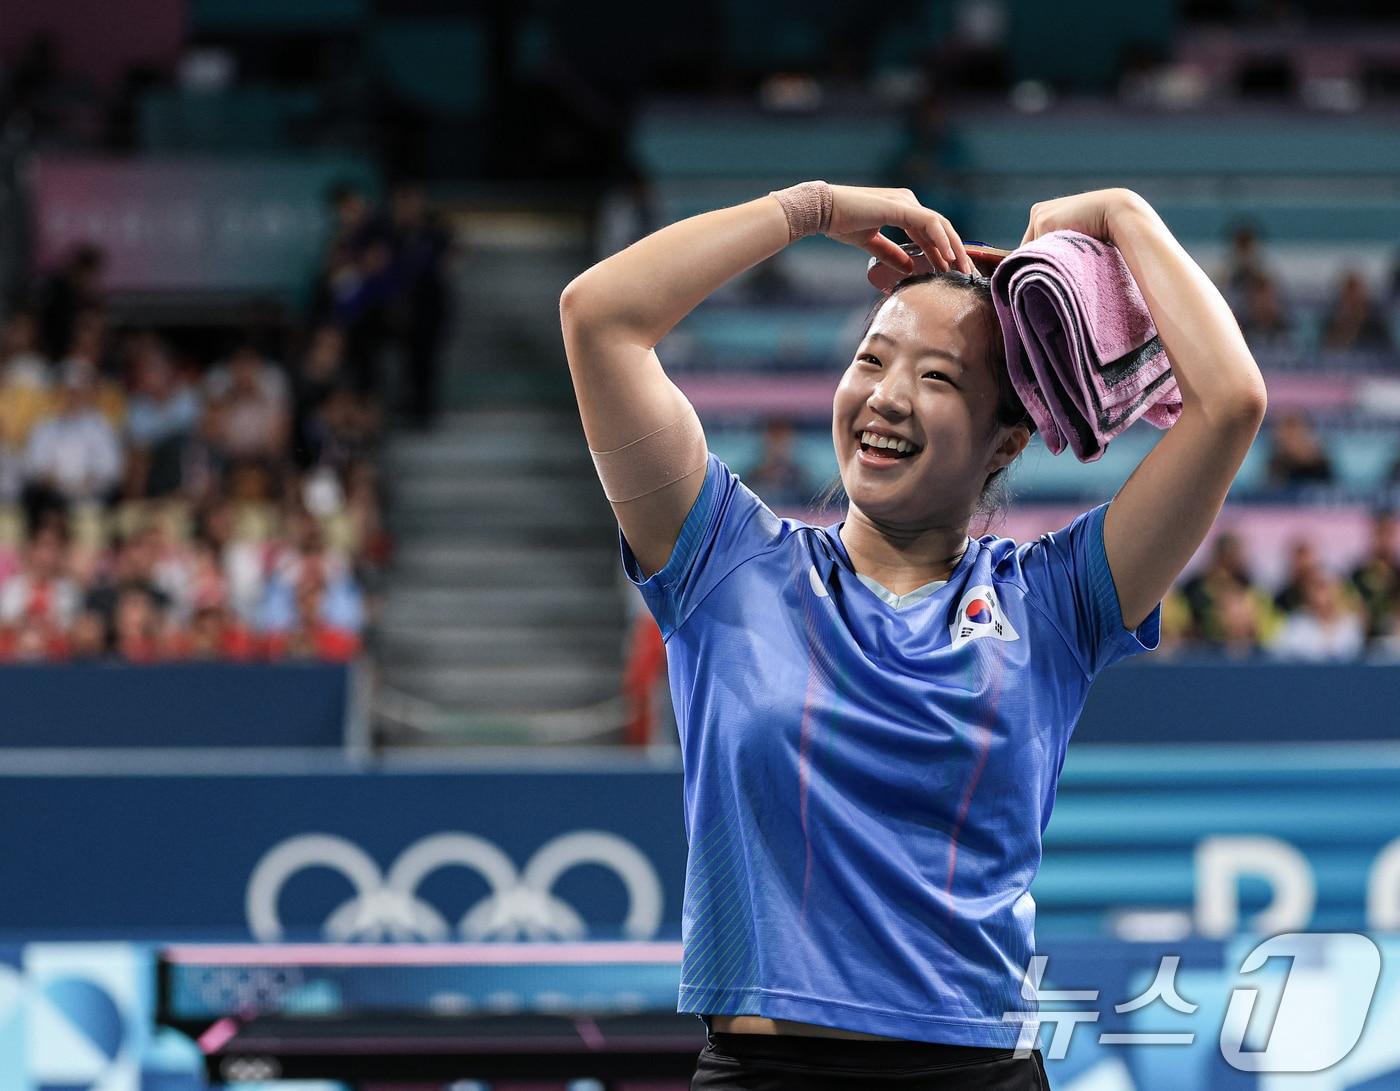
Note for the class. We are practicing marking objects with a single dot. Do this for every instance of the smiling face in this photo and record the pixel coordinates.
(922, 373)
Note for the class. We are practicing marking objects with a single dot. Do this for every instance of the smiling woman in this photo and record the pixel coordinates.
(873, 714)
(930, 369)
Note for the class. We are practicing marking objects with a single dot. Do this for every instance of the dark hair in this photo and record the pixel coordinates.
(995, 497)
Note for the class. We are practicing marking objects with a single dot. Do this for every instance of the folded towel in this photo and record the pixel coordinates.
(1082, 349)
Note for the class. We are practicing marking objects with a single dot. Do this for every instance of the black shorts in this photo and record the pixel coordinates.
(791, 1062)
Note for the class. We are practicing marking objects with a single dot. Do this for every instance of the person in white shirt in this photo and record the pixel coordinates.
(1325, 628)
(74, 455)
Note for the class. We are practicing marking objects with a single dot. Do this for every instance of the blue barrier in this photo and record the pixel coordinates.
(600, 853)
(1226, 701)
(270, 857)
(201, 705)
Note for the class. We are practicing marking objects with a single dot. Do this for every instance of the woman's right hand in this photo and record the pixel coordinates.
(858, 213)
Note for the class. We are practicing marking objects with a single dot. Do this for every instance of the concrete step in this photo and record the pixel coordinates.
(568, 497)
(445, 562)
(495, 418)
(544, 606)
(505, 523)
(500, 688)
(597, 646)
(544, 452)
(483, 533)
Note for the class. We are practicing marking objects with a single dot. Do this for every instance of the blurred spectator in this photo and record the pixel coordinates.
(132, 568)
(419, 282)
(1303, 565)
(22, 364)
(350, 216)
(920, 161)
(73, 456)
(87, 638)
(1355, 321)
(356, 286)
(1225, 571)
(136, 626)
(248, 358)
(25, 378)
(217, 633)
(162, 415)
(74, 288)
(1297, 456)
(1244, 260)
(1263, 318)
(1244, 625)
(1377, 578)
(778, 476)
(363, 515)
(342, 430)
(88, 353)
(322, 371)
(38, 603)
(1386, 647)
(1325, 627)
(248, 412)
(310, 603)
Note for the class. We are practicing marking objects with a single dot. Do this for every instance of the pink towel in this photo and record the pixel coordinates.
(1082, 349)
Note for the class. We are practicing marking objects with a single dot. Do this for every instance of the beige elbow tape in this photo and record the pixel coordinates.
(654, 461)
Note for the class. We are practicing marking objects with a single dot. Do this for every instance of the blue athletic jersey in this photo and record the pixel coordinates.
(866, 787)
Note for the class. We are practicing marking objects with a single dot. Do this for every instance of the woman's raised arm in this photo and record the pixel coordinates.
(1161, 514)
(612, 316)
(614, 313)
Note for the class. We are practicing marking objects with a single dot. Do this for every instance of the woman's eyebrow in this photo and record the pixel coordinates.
(924, 350)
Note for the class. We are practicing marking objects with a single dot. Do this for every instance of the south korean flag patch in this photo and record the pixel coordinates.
(979, 615)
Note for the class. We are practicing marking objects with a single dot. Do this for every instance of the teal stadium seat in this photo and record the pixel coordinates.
(703, 159)
(673, 145)
(208, 16)
(1040, 474)
(1237, 146)
(736, 448)
(1002, 221)
(766, 336)
(250, 119)
(1362, 458)
(437, 64)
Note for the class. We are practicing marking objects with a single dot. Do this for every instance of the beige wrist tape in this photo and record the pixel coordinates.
(654, 461)
(807, 207)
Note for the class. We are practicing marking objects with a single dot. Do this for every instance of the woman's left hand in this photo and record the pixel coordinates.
(1090, 213)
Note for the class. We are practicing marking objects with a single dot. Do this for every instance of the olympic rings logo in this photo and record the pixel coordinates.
(520, 905)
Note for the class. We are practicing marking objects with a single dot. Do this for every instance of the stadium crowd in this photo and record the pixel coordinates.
(156, 505)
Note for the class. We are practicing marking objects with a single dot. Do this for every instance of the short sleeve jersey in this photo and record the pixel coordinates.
(866, 787)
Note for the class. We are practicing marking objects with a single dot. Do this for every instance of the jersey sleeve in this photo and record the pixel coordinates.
(726, 526)
(1067, 576)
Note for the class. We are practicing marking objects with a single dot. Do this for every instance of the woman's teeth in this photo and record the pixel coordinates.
(897, 448)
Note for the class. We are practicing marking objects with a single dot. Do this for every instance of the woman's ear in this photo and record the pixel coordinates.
(1015, 437)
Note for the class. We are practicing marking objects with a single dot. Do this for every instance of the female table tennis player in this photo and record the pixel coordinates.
(874, 714)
